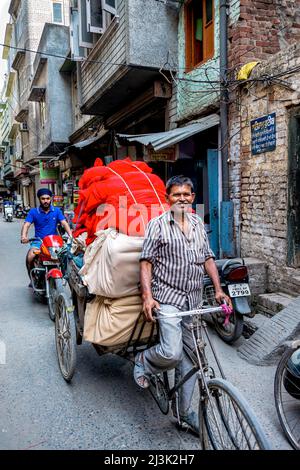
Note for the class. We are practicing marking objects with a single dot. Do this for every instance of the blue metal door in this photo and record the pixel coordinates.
(213, 196)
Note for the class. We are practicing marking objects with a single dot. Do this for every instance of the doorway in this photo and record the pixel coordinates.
(293, 215)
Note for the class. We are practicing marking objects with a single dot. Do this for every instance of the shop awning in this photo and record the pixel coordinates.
(162, 140)
(84, 143)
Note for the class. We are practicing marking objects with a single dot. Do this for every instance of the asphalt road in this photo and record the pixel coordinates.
(102, 408)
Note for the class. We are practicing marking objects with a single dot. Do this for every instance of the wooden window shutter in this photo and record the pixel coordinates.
(199, 32)
(208, 43)
(189, 37)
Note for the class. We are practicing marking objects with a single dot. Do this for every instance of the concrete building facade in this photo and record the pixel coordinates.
(27, 22)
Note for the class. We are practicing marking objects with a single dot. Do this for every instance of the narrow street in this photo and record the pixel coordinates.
(102, 408)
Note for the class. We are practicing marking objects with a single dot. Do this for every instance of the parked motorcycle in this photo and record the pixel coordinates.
(235, 283)
(45, 275)
(8, 213)
(26, 209)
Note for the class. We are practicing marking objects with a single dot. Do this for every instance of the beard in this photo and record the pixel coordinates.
(45, 205)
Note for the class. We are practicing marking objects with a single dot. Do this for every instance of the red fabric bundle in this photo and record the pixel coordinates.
(124, 195)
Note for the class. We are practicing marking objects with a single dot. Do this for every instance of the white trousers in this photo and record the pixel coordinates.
(169, 354)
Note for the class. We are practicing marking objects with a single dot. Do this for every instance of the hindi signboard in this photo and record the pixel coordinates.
(75, 195)
(58, 201)
(263, 134)
(166, 155)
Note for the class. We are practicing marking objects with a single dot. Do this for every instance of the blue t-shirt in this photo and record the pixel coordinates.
(45, 223)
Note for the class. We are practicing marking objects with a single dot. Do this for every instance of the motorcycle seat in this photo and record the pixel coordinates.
(220, 263)
(224, 264)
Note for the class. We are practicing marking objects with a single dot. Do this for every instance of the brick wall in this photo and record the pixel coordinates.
(263, 27)
(257, 30)
(260, 181)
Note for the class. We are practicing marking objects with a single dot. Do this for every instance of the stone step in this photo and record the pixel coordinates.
(251, 325)
(266, 345)
(289, 286)
(272, 303)
(290, 282)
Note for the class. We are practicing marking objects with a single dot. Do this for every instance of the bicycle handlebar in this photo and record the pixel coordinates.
(199, 311)
(34, 239)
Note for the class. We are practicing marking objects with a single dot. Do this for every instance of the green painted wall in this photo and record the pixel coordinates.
(195, 96)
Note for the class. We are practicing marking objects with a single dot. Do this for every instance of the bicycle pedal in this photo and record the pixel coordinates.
(182, 426)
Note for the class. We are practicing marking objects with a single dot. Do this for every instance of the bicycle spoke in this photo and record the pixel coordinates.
(287, 397)
(64, 339)
(228, 424)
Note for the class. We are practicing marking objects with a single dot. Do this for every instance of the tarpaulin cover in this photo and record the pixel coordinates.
(124, 195)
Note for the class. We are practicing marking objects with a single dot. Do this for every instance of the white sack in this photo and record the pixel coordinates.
(111, 265)
(110, 322)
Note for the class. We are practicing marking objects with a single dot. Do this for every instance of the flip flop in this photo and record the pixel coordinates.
(139, 373)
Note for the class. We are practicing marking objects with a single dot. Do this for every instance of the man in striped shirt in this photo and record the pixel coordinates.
(175, 256)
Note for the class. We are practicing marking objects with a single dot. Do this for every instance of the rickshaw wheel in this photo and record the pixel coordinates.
(159, 393)
(65, 336)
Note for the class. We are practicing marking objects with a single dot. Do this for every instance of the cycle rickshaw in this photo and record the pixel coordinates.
(225, 418)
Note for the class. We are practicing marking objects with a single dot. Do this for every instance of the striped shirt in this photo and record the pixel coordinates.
(177, 259)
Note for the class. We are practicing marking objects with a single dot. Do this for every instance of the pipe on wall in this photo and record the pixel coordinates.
(224, 98)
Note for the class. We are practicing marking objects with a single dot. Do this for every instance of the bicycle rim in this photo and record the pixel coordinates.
(65, 338)
(287, 406)
(226, 420)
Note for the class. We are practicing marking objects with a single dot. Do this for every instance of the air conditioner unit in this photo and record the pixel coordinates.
(23, 127)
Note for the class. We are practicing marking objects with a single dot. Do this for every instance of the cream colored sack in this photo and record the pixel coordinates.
(111, 265)
(110, 322)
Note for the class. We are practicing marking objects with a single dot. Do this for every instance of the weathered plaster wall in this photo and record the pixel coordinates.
(152, 34)
(194, 96)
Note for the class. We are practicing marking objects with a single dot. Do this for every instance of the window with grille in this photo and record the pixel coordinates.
(199, 32)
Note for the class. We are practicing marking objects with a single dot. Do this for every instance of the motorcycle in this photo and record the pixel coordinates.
(235, 283)
(45, 276)
(8, 213)
(26, 209)
(19, 212)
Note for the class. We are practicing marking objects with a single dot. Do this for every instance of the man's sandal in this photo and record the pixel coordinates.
(139, 374)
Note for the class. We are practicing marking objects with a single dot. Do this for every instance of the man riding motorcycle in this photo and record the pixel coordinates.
(45, 219)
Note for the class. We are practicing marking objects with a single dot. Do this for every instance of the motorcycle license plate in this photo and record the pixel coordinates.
(238, 290)
(50, 263)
